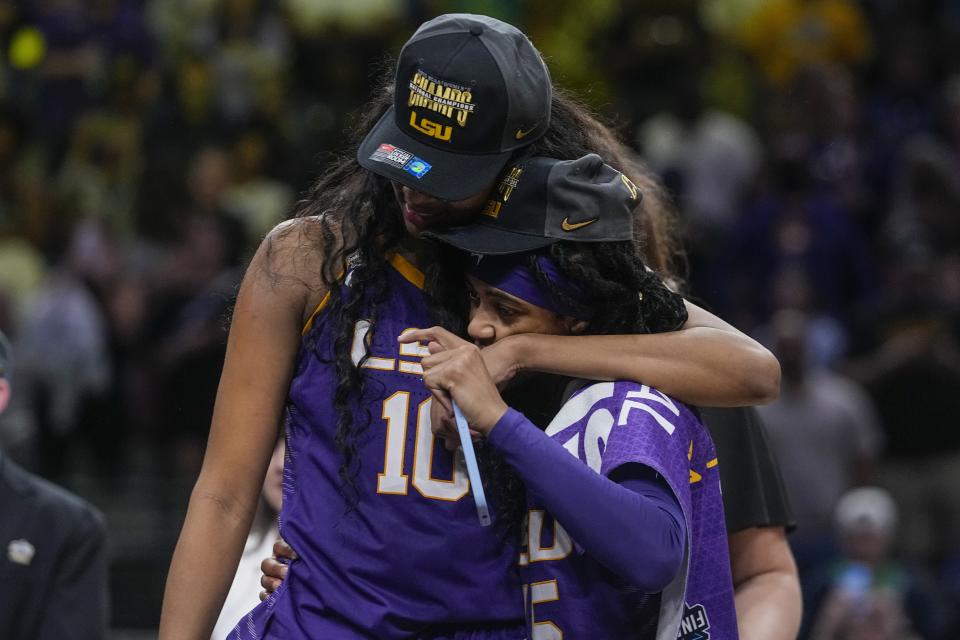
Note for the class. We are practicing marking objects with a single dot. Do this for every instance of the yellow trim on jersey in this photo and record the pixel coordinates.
(408, 270)
(320, 307)
(401, 264)
(712, 463)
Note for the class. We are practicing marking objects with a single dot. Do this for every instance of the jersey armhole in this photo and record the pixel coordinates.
(320, 307)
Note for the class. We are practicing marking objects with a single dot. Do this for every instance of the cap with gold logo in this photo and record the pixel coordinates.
(469, 91)
(544, 200)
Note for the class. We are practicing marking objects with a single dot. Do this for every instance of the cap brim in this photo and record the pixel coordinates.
(451, 176)
(488, 240)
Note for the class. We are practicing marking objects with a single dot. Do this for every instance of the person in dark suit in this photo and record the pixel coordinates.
(53, 571)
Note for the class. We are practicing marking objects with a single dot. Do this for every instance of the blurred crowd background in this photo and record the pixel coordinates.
(812, 147)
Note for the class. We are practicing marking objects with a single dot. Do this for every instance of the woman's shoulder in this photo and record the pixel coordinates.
(290, 260)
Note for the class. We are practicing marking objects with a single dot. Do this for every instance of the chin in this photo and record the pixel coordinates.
(412, 230)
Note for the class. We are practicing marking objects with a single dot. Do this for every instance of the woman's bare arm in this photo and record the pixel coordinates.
(261, 351)
(766, 584)
(706, 362)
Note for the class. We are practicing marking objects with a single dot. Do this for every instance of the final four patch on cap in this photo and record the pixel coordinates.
(401, 159)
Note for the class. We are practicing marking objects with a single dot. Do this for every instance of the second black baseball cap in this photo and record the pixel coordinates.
(541, 201)
(469, 91)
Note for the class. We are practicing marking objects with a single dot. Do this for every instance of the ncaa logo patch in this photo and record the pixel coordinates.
(401, 159)
(694, 625)
(417, 167)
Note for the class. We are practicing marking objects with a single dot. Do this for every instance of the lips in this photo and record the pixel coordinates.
(419, 219)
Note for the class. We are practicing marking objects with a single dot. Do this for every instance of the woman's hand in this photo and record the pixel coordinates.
(444, 426)
(460, 372)
(500, 358)
(274, 571)
(442, 421)
(455, 370)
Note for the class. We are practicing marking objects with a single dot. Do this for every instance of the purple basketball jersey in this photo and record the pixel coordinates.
(568, 594)
(411, 560)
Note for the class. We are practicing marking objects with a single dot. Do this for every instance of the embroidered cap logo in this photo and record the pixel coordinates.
(448, 99)
(505, 188)
(566, 225)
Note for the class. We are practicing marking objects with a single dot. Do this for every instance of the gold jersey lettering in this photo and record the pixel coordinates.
(430, 128)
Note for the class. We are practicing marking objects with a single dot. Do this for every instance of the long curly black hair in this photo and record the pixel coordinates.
(620, 294)
(352, 218)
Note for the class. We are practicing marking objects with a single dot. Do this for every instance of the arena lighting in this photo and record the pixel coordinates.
(28, 48)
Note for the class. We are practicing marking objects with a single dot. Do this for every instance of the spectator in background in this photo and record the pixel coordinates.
(836, 152)
(926, 195)
(101, 172)
(796, 223)
(250, 55)
(709, 158)
(24, 203)
(63, 348)
(188, 332)
(914, 379)
(786, 35)
(866, 594)
(208, 181)
(827, 339)
(53, 575)
(901, 103)
(257, 200)
(825, 434)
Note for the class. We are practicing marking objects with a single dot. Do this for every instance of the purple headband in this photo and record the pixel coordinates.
(510, 274)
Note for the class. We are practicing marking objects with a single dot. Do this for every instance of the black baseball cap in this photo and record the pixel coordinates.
(469, 91)
(541, 201)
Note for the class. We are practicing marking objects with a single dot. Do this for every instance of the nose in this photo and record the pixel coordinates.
(481, 329)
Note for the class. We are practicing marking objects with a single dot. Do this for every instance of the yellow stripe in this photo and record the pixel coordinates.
(323, 303)
(407, 270)
(401, 264)
(712, 463)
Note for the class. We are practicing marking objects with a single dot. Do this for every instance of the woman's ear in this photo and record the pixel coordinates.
(576, 327)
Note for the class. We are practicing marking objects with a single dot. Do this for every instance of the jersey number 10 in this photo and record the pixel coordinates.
(393, 480)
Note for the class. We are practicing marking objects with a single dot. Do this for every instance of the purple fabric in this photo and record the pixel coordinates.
(610, 427)
(511, 275)
(402, 564)
(635, 528)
